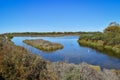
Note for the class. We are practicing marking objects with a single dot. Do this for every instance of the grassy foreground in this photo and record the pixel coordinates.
(44, 45)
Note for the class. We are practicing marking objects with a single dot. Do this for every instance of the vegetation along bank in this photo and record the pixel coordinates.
(108, 40)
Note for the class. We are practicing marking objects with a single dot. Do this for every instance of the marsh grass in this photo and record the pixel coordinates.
(99, 47)
(44, 45)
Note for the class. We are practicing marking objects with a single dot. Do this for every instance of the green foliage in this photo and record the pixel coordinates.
(113, 28)
(109, 40)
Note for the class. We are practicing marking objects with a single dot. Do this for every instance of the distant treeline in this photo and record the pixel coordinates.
(47, 33)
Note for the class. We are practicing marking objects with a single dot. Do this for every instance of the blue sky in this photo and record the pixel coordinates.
(57, 15)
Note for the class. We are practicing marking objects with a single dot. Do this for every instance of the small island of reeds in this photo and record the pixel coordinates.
(44, 45)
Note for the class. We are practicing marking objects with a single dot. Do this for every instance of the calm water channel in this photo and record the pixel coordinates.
(72, 52)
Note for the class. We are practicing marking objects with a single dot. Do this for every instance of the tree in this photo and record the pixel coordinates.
(114, 24)
(112, 28)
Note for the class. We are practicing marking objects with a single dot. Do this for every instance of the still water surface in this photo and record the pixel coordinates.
(72, 52)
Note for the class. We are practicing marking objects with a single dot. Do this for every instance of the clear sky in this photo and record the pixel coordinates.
(57, 15)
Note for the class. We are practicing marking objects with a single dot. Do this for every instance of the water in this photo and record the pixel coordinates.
(72, 52)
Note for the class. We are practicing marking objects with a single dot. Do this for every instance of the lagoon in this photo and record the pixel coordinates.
(72, 52)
